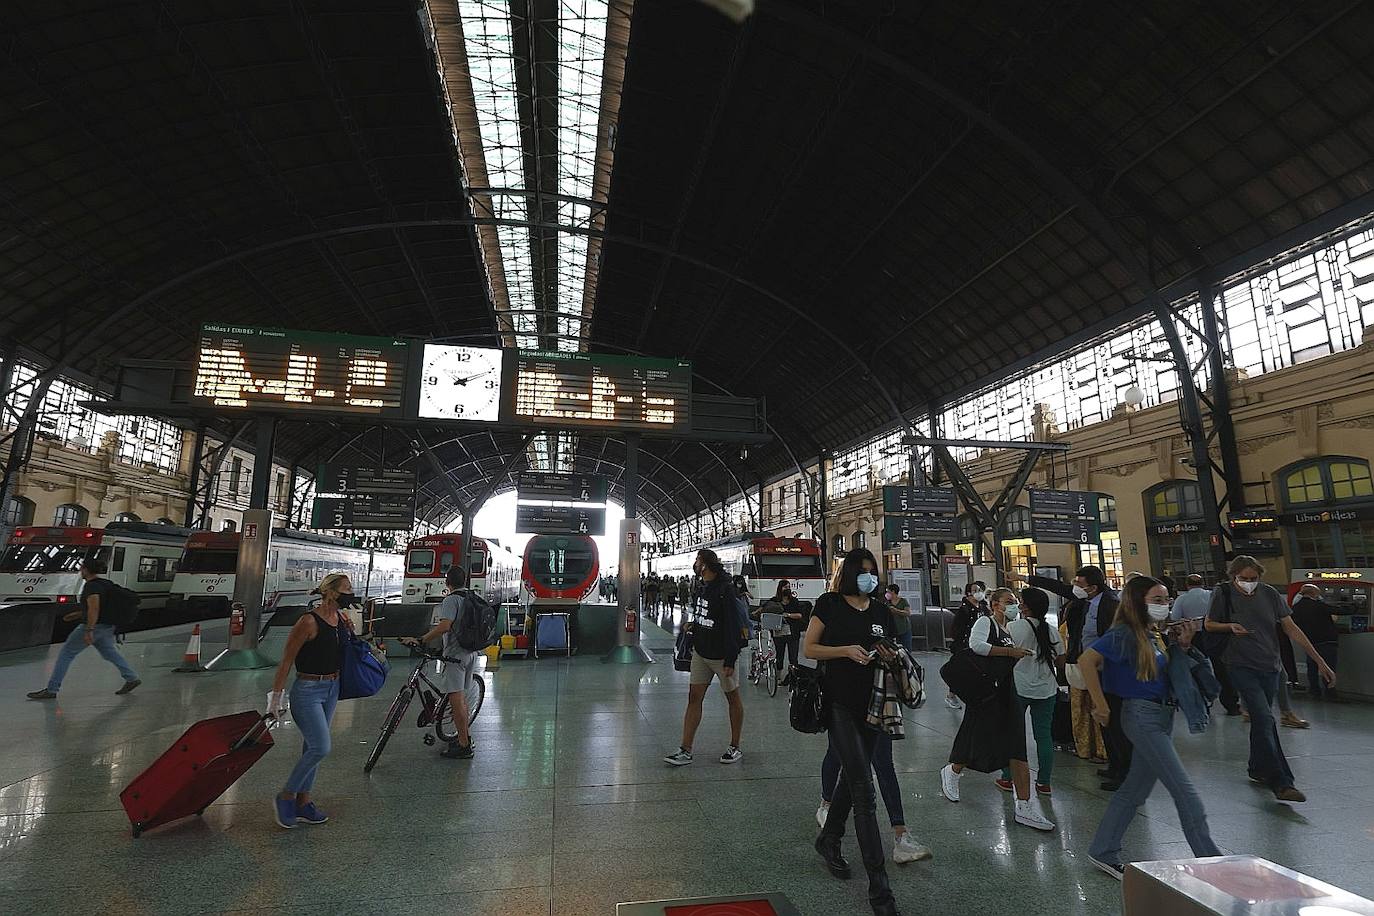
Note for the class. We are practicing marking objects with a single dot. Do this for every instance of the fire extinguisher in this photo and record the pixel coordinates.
(631, 619)
(236, 619)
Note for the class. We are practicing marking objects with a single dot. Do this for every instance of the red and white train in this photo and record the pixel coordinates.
(495, 570)
(764, 560)
(558, 570)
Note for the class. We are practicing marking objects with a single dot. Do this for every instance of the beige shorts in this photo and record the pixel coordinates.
(703, 669)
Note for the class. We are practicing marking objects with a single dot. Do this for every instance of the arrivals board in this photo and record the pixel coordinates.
(300, 371)
(596, 390)
(1076, 503)
(559, 520)
(573, 488)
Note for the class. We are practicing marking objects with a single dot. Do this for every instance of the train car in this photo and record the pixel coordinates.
(764, 560)
(204, 584)
(41, 564)
(495, 570)
(558, 570)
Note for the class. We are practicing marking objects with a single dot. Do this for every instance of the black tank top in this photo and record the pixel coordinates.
(321, 654)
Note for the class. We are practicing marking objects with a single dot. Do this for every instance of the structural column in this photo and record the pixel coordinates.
(255, 549)
(627, 649)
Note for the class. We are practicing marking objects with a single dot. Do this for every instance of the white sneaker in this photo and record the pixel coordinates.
(1030, 816)
(679, 758)
(953, 702)
(908, 850)
(732, 755)
(949, 782)
(821, 814)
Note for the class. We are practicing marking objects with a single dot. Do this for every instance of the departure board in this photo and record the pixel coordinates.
(597, 390)
(306, 371)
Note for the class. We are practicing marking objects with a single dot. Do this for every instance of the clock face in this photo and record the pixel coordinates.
(460, 383)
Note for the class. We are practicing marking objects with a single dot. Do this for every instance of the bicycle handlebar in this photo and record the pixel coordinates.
(431, 654)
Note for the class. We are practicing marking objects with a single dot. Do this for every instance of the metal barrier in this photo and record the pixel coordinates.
(287, 616)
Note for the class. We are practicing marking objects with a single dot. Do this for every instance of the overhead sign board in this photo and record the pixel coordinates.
(575, 488)
(300, 371)
(920, 499)
(1254, 520)
(347, 496)
(1258, 547)
(596, 390)
(1073, 503)
(899, 529)
(1064, 530)
(559, 520)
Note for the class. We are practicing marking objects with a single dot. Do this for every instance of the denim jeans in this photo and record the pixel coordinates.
(1327, 650)
(1148, 725)
(883, 768)
(1042, 727)
(312, 708)
(1257, 690)
(103, 638)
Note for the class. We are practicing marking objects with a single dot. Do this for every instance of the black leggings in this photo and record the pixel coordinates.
(854, 742)
(787, 646)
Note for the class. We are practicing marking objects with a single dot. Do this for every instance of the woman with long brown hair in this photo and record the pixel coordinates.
(1129, 661)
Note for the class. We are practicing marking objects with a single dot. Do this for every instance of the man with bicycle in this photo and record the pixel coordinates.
(459, 672)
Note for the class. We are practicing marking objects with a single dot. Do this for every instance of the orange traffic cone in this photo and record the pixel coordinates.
(191, 660)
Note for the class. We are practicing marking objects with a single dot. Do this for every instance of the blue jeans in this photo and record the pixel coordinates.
(312, 708)
(883, 768)
(103, 638)
(1148, 725)
(1257, 690)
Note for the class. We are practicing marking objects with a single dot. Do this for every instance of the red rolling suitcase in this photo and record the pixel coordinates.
(196, 770)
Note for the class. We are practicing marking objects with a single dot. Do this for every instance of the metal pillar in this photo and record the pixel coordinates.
(824, 478)
(197, 447)
(255, 550)
(627, 649)
(1220, 395)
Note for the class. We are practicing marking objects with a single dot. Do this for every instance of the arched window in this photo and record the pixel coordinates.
(127, 517)
(1106, 512)
(1018, 523)
(1324, 481)
(1178, 532)
(70, 514)
(18, 511)
(837, 545)
(1340, 537)
(1172, 501)
(860, 539)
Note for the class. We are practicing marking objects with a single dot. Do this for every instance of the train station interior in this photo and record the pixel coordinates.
(405, 355)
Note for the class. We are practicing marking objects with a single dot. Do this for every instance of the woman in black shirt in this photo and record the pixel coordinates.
(845, 627)
(970, 609)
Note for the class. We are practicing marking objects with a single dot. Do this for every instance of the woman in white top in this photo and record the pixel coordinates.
(1036, 686)
(993, 733)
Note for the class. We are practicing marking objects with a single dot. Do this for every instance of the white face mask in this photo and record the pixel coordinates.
(1158, 612)
(1012, 611)
(978, 596)
(1080, 592)
(1247, 587)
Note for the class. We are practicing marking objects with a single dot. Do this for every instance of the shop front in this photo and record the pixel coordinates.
(1328, 513)
(1180, 543)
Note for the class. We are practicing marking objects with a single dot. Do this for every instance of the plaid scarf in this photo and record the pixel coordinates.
(895, 686)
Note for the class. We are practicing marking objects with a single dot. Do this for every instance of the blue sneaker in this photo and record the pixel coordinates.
(285, 809)
(309, 814)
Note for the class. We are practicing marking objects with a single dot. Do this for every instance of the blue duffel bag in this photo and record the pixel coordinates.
(361, 672)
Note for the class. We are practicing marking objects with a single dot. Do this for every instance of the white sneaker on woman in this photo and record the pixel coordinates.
(949, 782)
(908, 850)
(1029, 815)
(953, 702)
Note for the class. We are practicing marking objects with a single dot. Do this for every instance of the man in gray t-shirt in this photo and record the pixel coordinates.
(1251, 613)
(457, 672)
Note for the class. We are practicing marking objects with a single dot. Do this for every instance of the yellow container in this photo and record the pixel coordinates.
(507, 642)
(493, 657)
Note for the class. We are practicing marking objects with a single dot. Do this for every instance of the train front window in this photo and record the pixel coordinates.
(420, 562)
(43, 558)
(788, 566)
(560, 565)
(199, 560)
(477, 563)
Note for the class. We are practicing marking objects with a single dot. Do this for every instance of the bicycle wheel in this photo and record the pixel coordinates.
(443, 721)
(770, 666)
(393, 718)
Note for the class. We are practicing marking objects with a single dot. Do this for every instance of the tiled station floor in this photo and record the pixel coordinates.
(568, 809)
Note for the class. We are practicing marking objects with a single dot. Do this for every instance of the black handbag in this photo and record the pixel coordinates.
(804, 709)
(969, 678)
(682, 651)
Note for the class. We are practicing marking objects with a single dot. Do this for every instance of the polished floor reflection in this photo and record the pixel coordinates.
(568, 809)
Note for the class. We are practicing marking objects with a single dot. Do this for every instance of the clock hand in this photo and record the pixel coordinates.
(464, 381)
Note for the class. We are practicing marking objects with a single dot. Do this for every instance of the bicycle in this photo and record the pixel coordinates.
(435, 711)
(763, 661)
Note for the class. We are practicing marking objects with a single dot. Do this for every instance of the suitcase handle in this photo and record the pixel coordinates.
(251, 736)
